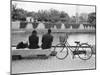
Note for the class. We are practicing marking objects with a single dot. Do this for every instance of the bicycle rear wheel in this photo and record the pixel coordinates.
(85, 51)
(61, 50)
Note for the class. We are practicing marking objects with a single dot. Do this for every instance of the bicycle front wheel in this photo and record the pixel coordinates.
(61, 50)
(85, 51)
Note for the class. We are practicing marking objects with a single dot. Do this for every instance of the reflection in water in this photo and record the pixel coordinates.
(83, 38)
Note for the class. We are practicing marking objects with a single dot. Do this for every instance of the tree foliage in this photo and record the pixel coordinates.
(18, 13)
(92, 18)
(51, 15)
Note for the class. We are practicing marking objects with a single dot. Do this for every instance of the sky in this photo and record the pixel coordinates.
(70, 9)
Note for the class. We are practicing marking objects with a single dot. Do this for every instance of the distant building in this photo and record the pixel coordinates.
(83, 18)
(77, 17)
(15, 25)
(29, 19)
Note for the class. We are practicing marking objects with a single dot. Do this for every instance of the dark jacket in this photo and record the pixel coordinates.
(47, 40)
(33, 42)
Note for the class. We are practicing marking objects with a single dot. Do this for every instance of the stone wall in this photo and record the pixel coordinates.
(29, 25)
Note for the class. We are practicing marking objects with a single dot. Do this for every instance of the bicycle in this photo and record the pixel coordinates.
(83, 50)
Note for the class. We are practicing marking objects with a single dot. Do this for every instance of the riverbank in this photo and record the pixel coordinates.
(70, 31)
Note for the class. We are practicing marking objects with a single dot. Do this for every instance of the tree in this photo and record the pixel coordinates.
(64, 17)
(13, 12)
(18, 13)
(73, 19)
(54, 15)
(83, 18)
(42, 15)
(92, 18)
(30, 14)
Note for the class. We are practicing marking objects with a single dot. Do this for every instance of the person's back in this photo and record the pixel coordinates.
(33, 41)
(47, 40)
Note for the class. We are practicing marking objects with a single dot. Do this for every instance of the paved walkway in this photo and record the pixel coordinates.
(51, 64)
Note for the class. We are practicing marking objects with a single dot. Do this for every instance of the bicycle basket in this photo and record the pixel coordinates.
(62, 39)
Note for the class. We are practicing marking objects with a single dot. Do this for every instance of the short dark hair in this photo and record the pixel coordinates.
(49, 30)
(34, 32)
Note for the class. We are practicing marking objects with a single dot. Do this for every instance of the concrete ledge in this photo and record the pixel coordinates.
(30, 52)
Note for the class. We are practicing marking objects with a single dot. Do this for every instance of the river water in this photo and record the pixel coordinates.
(83, 38)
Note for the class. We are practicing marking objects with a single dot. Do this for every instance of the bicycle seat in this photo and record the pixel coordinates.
(77, 42)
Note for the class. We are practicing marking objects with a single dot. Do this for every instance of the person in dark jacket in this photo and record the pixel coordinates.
(33, 40)
(47, 40)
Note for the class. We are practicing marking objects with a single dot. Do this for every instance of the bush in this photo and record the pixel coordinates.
(23, 24)
(76, 26)
(67, 25)
(35, 25)
(58, 25)
(48, 25)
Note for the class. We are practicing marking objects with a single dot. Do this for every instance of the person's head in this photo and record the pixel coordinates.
(34, 32)
(49, 31)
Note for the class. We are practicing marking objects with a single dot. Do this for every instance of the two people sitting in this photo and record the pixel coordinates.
(47, 40)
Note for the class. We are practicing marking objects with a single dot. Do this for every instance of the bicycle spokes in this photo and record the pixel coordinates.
(62, 51)
(85, 52)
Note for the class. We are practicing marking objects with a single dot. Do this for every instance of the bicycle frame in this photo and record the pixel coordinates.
(71, 49)
(67, 44)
